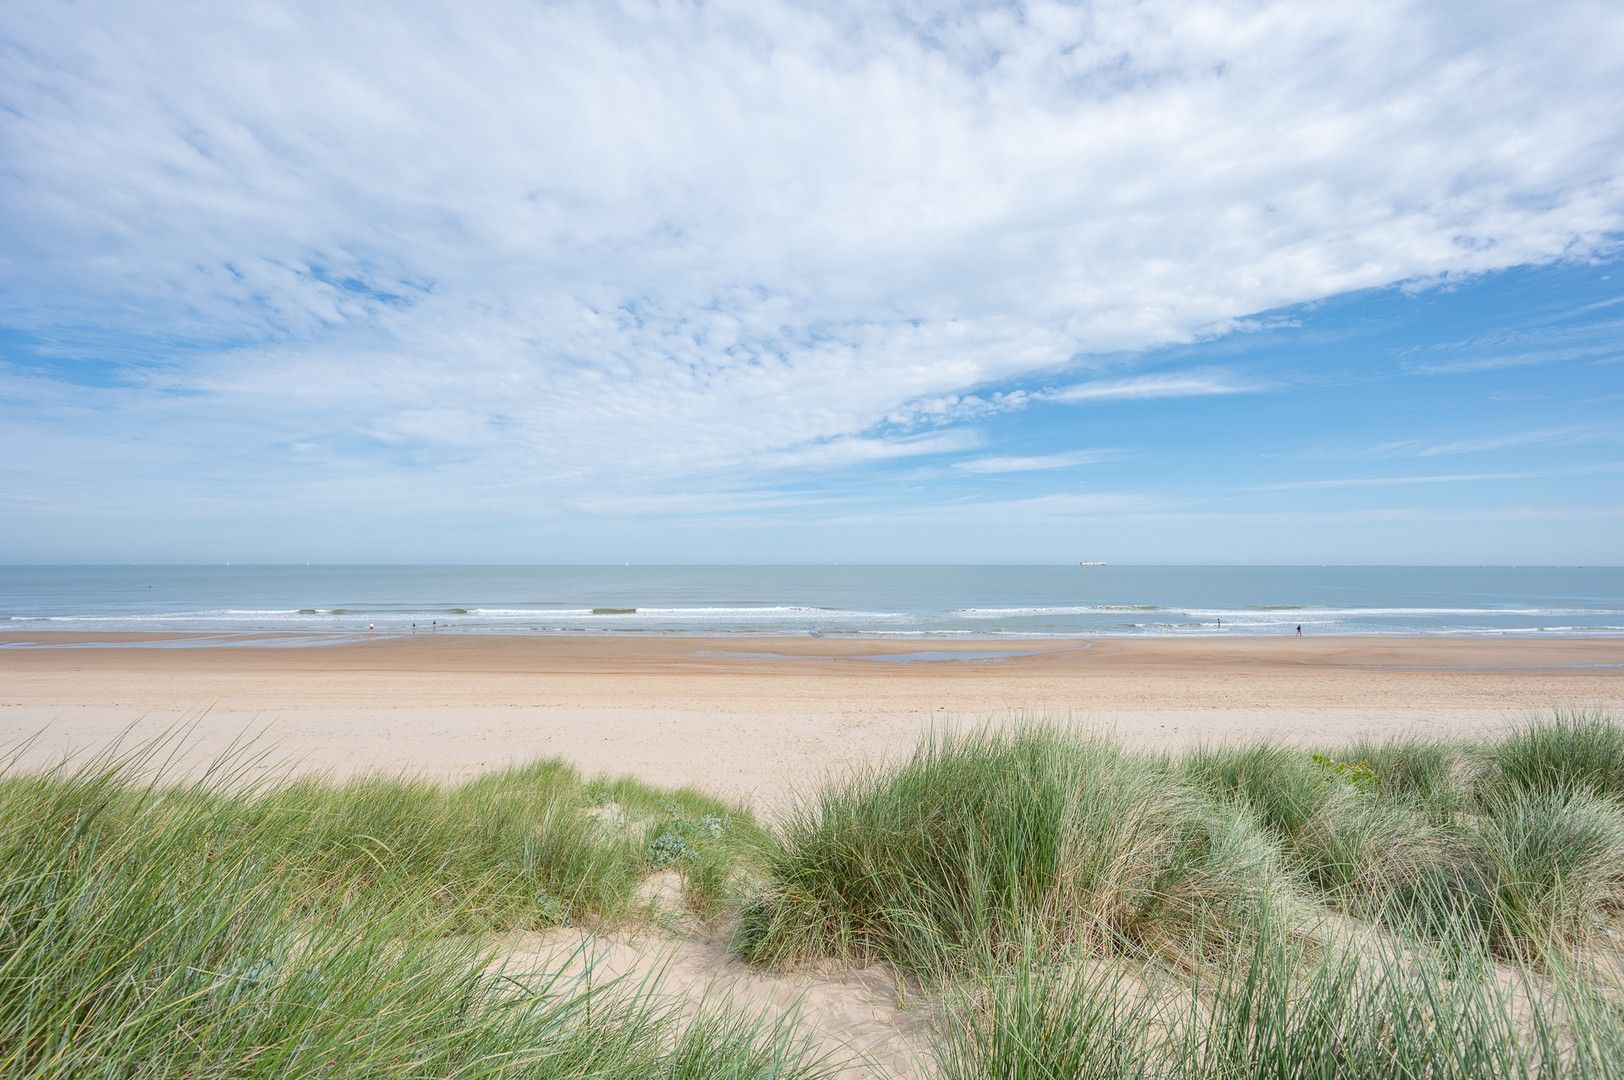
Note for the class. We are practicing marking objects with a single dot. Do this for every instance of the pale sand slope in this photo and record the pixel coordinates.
(692, 711)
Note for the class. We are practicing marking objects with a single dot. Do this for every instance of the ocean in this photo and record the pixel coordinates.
(886, 601)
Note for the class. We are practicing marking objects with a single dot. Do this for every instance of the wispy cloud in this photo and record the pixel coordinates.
(1604, 468)
(1598, 305)
(1035, 463)
(689, 504)
(1013, 512)
(1554, 340)
(833, 453)
(1158, 385)
(1569, 435)
(1503, 361)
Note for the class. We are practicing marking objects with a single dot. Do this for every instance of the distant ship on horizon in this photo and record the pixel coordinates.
(1090, 564)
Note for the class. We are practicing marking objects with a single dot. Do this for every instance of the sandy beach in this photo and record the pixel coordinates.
(753, 718)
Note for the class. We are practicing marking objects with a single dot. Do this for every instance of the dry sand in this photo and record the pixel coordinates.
(756, 718)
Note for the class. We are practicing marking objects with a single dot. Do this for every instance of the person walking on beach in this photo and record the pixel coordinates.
(1299, 629)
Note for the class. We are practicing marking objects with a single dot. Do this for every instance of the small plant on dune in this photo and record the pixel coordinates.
(1356, 771)
(668, 849)
(679, 838)
(711, 853)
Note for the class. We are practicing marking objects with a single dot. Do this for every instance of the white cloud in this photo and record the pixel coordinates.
(1035, 463)
(1163, 385)
(527, 253)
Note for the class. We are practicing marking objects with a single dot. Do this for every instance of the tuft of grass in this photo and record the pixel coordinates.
(1338, 830)
(1375, 1009)
(507, 850)
(1048, 1016)
(1361, 846)
(1283, 786)
(1538, 872)
(982, 840)
(518, 848)
(1569, 752)
(1430, 775)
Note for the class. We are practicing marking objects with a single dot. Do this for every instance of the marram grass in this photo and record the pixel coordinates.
(1574, 750)
(1064, 907)
(983, 840)
(312, 929)
(1519, 842)
(1385, 910)
(1374, 1009)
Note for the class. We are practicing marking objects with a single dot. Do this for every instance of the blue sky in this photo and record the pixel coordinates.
(1181, 282)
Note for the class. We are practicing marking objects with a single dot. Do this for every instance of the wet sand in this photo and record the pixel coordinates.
(756, 718)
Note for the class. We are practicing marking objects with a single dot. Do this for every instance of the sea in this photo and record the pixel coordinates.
(335, 603)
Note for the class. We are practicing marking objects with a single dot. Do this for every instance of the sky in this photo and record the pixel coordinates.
(1191, 282)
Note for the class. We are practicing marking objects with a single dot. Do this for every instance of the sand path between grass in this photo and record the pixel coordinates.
(856, 1018)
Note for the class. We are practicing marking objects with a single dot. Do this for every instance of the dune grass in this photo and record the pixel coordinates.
(983, 840)
(1071, 908)
(1285, 1009)
(322, 929)
(1519, 841)
(1534, 873)
(1575, 750)
(1384, 910)
(526, 847)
